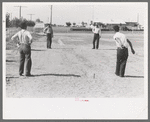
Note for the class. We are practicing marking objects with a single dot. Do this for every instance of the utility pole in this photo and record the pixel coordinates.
(138, 18)
(31, 16)
(10, 16)
(51, 15)
(93, 13)
(20, 10)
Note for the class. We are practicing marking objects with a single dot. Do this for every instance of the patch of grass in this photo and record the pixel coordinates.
(36, 36)
(10, 45)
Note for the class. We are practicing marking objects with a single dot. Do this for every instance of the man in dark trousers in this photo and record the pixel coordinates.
(122, 51)
(49, 31)
(25, 40)
(97, 35)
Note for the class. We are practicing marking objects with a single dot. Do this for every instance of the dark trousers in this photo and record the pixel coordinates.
(122, 56)
(49, 40)
(25, 59)
(96, 38)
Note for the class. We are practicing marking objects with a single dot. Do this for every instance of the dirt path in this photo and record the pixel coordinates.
(72, 69)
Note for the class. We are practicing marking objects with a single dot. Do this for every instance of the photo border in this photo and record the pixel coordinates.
(60, 1)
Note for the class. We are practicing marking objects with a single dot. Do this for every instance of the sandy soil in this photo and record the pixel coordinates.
(72, 69)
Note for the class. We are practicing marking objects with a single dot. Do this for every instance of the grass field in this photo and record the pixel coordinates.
(12, 31)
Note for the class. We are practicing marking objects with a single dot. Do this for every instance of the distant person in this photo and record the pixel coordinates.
(97, 35)
(122, 51)
(49, 31)
(25, 39)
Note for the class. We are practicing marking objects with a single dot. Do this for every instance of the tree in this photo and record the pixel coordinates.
(68, 24)
(91, 23)
(30, 23)
(82, 24)
(7, 20)
(74, 24)
(38, 20)
(16, 22)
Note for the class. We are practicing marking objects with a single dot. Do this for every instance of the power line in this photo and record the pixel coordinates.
(20, 10)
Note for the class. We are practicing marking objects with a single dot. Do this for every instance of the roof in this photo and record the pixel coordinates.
(112, 21)
(132, 22)
(39, 25)
(116, 22)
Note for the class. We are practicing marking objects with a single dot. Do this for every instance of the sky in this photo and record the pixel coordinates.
(78, 12)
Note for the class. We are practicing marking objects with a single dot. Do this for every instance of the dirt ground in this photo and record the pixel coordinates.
(71, 69)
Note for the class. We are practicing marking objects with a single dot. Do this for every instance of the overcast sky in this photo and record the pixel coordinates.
(78, 12)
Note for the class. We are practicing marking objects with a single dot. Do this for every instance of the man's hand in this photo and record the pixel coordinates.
(133, 51)
(18, 45)
(130, 44)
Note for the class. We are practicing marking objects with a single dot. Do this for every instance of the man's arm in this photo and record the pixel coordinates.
(93, 30)
(100, 33)
(14, 36)
(52, 32)
(130, 44)
(45, 29)
(30, 38)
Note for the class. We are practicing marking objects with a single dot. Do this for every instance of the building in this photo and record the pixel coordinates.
(39, 27)
(133, 25)
(108, 25)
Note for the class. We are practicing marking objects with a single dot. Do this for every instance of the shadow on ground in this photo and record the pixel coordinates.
(11, 61)
(37, 50)
(130, 76)
(62, 75)
(106, 49)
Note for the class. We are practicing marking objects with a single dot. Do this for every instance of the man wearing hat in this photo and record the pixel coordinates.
(25, 39)
(49, 31)
(97, 35)
(122, 51)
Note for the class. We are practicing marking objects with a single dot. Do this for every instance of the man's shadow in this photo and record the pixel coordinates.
(130, 76)
(106, 49)
(37, 50)
(11, 60)
(59, 75)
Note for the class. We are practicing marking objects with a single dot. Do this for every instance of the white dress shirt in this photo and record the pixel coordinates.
(120, 40)
(23, 36)
(96, 30)
(48, 30)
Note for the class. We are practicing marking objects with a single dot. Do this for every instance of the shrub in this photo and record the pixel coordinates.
(68, 24)
(16, 22)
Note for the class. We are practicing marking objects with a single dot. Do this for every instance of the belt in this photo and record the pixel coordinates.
(24, 44)
(121, 48)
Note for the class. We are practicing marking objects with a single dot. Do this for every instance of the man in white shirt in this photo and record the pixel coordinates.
(122, 51)
(97, 35)
(49, 31)
(25, 39)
